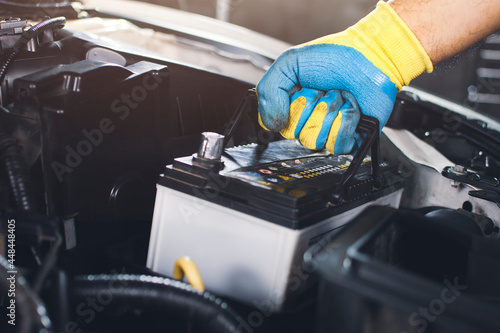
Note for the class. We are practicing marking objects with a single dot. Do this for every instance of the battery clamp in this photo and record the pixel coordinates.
(246, 214)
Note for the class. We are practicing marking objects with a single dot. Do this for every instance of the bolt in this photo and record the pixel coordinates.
(459, 170)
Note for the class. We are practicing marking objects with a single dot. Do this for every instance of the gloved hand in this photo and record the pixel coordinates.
(312, 91)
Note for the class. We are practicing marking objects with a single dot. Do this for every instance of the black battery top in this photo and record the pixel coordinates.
(286, 167)
(281, 182)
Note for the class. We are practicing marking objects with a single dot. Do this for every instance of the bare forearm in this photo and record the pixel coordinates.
(447, 27)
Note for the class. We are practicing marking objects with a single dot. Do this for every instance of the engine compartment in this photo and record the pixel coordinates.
(88, 128)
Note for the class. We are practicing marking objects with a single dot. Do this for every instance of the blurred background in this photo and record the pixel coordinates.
(471, 79)
(294, 21)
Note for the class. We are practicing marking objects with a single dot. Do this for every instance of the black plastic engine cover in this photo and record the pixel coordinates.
(400, 271)
(108, 130)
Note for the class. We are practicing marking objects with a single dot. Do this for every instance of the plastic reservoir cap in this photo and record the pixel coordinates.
(211, 146)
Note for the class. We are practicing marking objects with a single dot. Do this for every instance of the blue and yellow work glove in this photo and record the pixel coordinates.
(315, 92)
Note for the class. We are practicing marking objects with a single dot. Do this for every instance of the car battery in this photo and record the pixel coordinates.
(246, 218)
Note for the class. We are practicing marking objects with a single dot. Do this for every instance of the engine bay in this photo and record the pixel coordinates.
(104, 186)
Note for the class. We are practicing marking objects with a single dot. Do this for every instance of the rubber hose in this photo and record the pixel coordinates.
(56, 22)
(17, 172)
(174, 297)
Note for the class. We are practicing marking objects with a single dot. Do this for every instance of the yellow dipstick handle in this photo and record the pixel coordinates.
(185, 266)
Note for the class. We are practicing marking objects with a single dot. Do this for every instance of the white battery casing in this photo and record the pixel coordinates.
(238, 255)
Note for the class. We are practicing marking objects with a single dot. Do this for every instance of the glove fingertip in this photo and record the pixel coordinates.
(358, 140)
(351, 99)
(259, 118)
(272, 118)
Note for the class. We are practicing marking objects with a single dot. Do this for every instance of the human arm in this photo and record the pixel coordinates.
(371, 60)
(448, 27)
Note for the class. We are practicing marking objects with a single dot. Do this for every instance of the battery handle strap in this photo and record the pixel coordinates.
(369, 126)
(249, 102)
